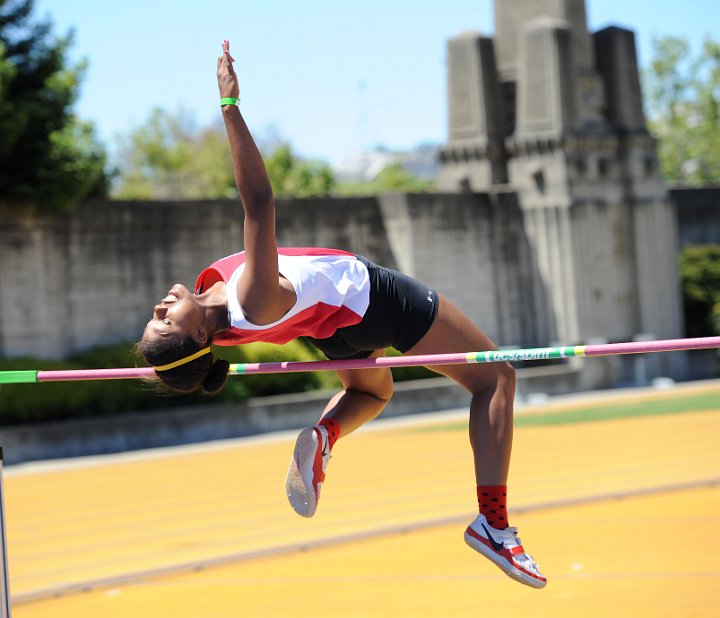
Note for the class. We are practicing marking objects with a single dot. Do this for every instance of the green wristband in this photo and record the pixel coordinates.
(228, 101)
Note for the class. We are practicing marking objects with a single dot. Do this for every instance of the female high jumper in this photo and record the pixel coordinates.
(348, 307)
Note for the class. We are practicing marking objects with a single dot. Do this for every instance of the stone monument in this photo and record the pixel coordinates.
(553, 113)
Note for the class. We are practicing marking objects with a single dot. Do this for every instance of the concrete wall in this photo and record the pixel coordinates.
(472, 248)
(92, 277)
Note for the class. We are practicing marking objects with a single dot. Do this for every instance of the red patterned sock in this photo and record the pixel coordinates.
(333, 430)
(492, 502)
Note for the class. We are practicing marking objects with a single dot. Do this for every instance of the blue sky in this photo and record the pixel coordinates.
(331, 77)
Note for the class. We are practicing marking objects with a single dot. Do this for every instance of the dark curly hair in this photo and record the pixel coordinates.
(201, 373)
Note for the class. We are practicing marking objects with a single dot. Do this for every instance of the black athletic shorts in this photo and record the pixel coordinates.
(401, 311)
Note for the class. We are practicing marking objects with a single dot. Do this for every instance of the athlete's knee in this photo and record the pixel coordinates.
(382, 390)
(494, 377)
(506, 375)
(379, 387)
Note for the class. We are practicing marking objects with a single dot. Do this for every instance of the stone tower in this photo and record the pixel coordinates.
(553, 113)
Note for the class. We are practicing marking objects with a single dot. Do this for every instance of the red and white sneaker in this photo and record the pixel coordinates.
(307, 470)
(503, 547)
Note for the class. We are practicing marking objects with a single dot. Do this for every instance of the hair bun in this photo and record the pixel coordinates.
(216, 377)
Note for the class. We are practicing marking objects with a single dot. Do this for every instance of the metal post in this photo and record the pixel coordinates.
(4, 584)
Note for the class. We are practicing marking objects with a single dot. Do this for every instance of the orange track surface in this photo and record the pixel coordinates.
(387, 539)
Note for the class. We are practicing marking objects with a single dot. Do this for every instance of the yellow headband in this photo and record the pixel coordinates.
(182, 361)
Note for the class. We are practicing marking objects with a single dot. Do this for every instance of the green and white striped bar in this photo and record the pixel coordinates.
(490, 356)
(529, 354)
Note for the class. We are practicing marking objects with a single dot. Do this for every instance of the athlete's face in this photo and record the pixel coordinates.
(177, 315)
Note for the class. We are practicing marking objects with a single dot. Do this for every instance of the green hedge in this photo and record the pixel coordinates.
(52, 401)
(700, 276)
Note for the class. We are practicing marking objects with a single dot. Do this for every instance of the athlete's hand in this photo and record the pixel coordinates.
(227, 79)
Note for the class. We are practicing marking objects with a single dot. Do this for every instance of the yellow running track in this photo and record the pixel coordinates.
(206, 531)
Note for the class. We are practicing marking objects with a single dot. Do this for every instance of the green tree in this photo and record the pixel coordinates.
(168, 158)
(700, 276)
(49, 159)
(682, 101)
(292, 176)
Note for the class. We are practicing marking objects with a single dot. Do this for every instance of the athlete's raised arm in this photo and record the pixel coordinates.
(262, 298)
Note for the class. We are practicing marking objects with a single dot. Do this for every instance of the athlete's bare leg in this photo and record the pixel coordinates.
(492, 387)
(364, 396)
(365, 393)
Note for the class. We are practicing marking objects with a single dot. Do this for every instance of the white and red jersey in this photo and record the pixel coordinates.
(332, 289)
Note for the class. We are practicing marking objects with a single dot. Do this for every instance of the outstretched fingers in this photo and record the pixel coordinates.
(226, 51)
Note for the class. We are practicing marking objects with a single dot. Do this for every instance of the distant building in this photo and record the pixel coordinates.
(554, 114)
(422, 162)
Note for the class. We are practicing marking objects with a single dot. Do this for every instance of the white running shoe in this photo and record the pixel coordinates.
(307, 470)
(504, 548)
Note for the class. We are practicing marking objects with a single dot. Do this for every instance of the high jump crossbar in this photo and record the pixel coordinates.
(491, 356)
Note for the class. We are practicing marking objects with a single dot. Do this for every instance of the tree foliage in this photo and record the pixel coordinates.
(168, 158)
(683, 94)
(49, 159)
(700, 275)
(292, 176)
